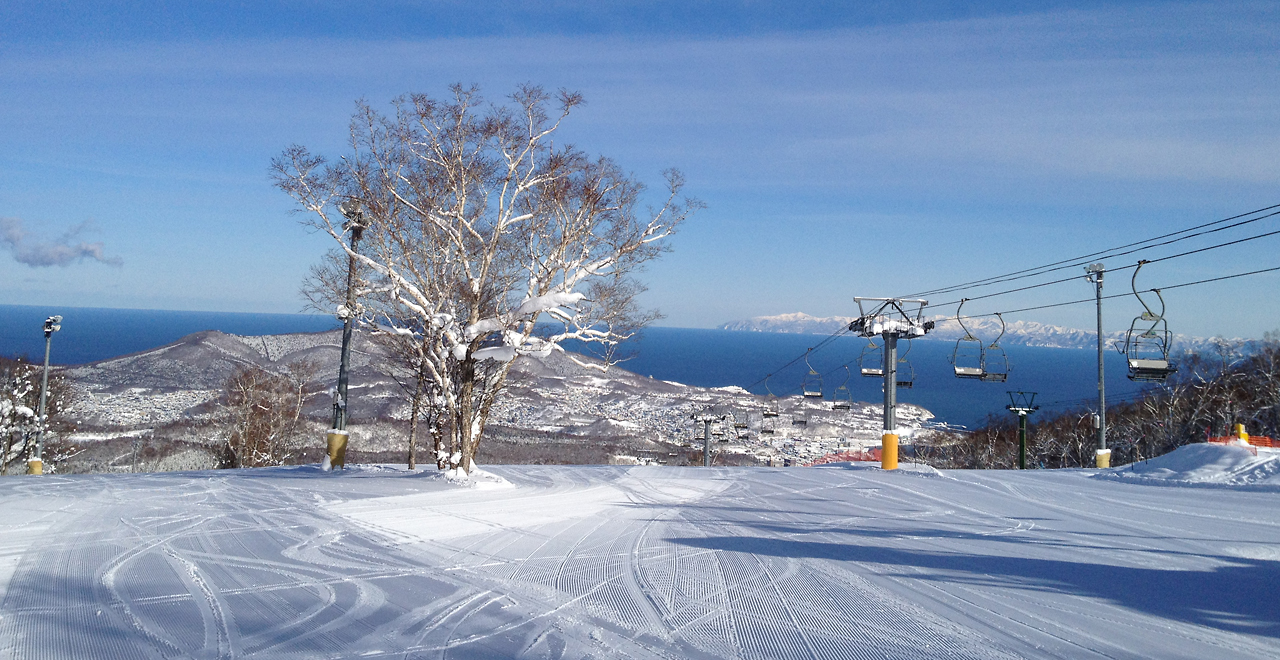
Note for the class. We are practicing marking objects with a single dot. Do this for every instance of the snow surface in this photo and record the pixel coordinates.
(1207, 464)
(841, 561)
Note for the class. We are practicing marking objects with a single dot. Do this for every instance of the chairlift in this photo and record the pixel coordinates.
(906, 373)
(800, 420)
(843, 398)
(811, 388)
(871, 361)
(1148, 352)
(967, 357)
(995, 361)
(771, 407)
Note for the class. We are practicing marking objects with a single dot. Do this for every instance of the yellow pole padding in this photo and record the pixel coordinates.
(1104, 458)
(889, 451)
(35, 466)
(1240, 432)
(337, 449)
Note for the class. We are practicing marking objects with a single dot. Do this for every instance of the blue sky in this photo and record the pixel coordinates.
(843, 149)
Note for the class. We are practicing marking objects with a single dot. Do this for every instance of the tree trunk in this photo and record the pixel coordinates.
(465, 413)
(414, 408)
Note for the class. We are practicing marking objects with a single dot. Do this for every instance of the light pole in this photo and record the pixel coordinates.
(35, 464)
(353, 211)
(1094, 275)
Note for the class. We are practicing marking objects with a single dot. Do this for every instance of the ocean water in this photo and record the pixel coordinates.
(1063, 378)
(89, 333)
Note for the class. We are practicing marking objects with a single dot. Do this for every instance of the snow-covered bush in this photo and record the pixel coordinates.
(19, 401)
(262, 414)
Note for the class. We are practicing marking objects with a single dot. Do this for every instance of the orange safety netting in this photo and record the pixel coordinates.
(843, 456)
(1255, 440)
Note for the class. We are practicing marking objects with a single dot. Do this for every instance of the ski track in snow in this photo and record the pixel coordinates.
(636, 562)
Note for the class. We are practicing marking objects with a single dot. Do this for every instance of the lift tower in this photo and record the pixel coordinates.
(1022, 404)
(707, 418)
(890, 319)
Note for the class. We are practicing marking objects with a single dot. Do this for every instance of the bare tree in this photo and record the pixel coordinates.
(407, 366)
(263, 413)
(19, 426)
(484, 240)
(1234, 384)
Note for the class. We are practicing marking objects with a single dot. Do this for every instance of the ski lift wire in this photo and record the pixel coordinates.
(1114, 270)
(1076, 261)
(1126, 294)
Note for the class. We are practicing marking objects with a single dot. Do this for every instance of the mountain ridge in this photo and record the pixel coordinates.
(1016, 333)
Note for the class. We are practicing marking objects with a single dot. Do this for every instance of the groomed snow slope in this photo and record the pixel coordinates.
(611, 562)
(1205, 464)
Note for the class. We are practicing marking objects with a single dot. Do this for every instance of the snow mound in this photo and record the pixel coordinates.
(1227, 465)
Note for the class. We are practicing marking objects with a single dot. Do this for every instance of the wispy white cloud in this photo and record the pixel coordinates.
(61, 251)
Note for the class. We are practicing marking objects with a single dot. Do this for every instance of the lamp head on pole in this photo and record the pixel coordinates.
(52, 325)
(353, 210)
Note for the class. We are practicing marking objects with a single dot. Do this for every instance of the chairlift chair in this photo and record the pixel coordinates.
(871, 361)
(967, 357)
(995, 361)
(906, 373)
(771, 407)
(843, 398)
(1147, 352)
(811, 388)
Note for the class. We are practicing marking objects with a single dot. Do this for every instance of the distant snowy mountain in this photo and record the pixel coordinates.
(1016, 333)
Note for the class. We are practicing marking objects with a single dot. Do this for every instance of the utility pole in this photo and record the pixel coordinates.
(1022, 404)
(353, 211)
(889, 320)
(35, 464)
(1094, 275)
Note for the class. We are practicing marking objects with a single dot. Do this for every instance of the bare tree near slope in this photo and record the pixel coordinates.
(19, 394)
(263, 413)
(478, 228)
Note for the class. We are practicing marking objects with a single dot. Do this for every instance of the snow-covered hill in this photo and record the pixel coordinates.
(549, 395)
(1017, 333)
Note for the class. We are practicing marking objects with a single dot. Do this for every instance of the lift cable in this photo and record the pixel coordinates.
(800, 357)
(1128, 398)
(830, 338)
(1108, 253)
(1115, 270)
(1127, 294)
